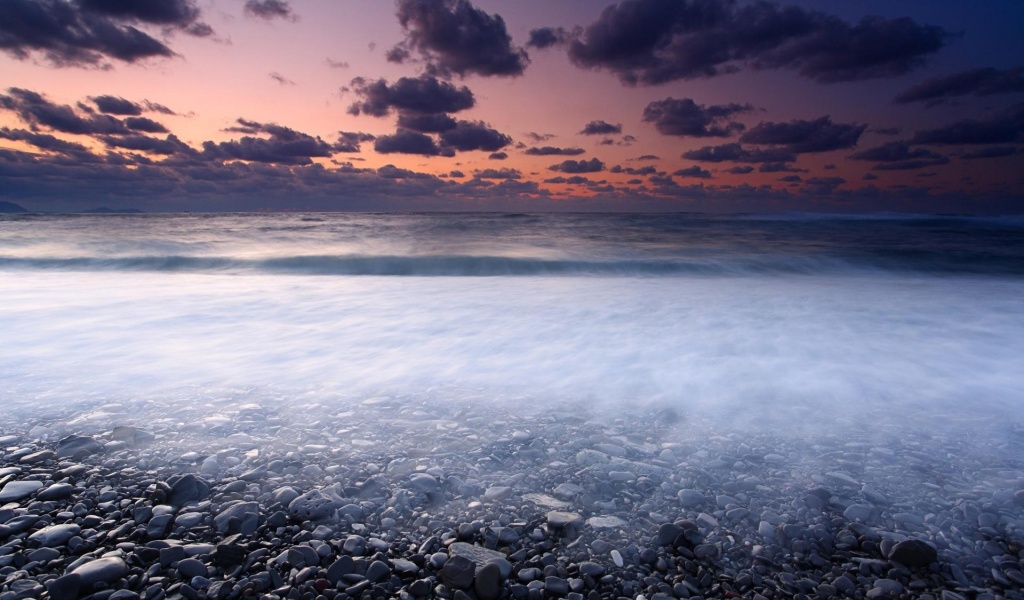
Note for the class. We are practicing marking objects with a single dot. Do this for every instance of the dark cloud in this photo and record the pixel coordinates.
(427, 123)
(498, 174)
(645, 170)
(349, 141)
(693, 171)
(894, 152)
(456, 38)
(870, 177)
(737, 153)
(800, 136)
(393, 172)
(539, 137)
(280, 79)
(498, 155)
(423, 95)
(649, 42)
(407, 142)
(336, 64)
(647, 157)
(600, 128)
(887, 130)
(820, 186)
(270, 9)
(976, 82)
(912, 164)
(687, 118)
(457, 174)
(88, 32)
(741, 170)
(545, 37)
(791, 178)
(170, 145)
(990, 152)
(553, 151)
(36, 111)
(112, 105)
(145, 125)
(574, 180)
(43, 141)
(474, 135)
(778, 167)
(283, 145)
(998, 128)
(578, 166)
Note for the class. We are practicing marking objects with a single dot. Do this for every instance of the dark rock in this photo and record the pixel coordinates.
(487, 584)
(65, 587)
(187, 488)
(667, 534)
(377, 571)
(105, 570)
(913, 553)
(191, 567)
(17, 490)
(77, 447)
(458, 572)
(242, 517)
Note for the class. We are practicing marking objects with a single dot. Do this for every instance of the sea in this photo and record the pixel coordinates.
(786, 322)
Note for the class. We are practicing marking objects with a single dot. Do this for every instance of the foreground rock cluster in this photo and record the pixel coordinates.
(395, 498)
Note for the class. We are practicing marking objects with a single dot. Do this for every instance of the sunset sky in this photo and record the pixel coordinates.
(688, 105)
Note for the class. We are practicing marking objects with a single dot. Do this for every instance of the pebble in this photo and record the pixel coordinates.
(913, 553)
(18, 490)
(488, 582)
(458, 572)
(101, 570)
(690, 498)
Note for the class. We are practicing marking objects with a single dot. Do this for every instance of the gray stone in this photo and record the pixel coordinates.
(191, 567)
(858, 512)
(667, 534)
(488, 582)
(18, 490)
(101, 570)
(458, 572)
(479, 555)
(55, 535)
(378, 571)
(242, 517)
(497, 492)
(314, 505)
(561, 520)
(591, 568)
(77, 447)
(187, 488)
(422, 482)
(690, 498)
(57, 491)
(607, 522)
(355, 545)
(65, 587)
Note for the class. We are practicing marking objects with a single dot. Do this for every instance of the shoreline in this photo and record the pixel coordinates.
(375, 501)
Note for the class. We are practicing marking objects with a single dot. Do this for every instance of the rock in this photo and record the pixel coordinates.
(38, 457)
(458, 572)
(609, 522)
(690, 498)
(422, 482)
(479, 555)
(187, 488)
(57, 491)
(497, 492)
(55, 535)
(65, 587)
(77, 447)
(378, 571)
(487, 584)
(567, 491)
(562, 520)
(314, 505)
(354, 545)
(101, 570)
(667, 534)
(858, 512)
(591, 568)
(339, 568)
(18, 490)
(191, 567)
(556, 586)
(913, 553)
(242, 517)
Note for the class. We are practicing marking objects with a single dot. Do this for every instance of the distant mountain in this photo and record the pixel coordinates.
(105, 210)
(10, 207)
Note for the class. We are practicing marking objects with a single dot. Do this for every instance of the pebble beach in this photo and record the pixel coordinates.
(404, 498)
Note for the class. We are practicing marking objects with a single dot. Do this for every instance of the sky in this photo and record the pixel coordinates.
(527, 105)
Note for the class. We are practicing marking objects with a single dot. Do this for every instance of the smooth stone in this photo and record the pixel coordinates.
(238, 518)
(64, 587)
(377, 571)
(690, 498)
(302, 556)
(608, 522)
(55, 535)
(38, 457)
(77, 447)
(18, 490)
(545, 501)
(913, 553)
(192, 567)
(858, 512)
(667, 534)
(617, 558)
(556, 586)
(458, 572)
(487, 584)
(591, 568)
(339, 568)
(57, 491)
(478, 554)
(355, 545)
(424, 483)
(497, 492)
(105, 570)
(561, 520)
(314, 505)
(187, 488)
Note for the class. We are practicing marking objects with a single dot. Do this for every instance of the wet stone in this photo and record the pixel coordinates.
(77, 447)
(17, 490)
(913, 553)
(102, 570)
(458, 572)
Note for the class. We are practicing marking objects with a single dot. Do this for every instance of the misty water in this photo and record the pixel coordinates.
(741, 318)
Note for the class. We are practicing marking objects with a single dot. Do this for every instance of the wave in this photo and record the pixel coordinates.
(896, 262)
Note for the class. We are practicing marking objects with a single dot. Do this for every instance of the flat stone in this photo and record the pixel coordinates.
(192, 567)
(608, 522)
(497, 492)
(55, 535)
(378, 571)
(18, 490)
(105, 570)
(690, 498)
(65, 587)
(667, 533)
(57, 491)
(561, 520)
(545, 501)
(858, 512)
(187, 488)
(478, 554)
(77, 447)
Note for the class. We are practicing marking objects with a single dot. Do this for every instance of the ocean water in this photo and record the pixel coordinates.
(787, 322)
